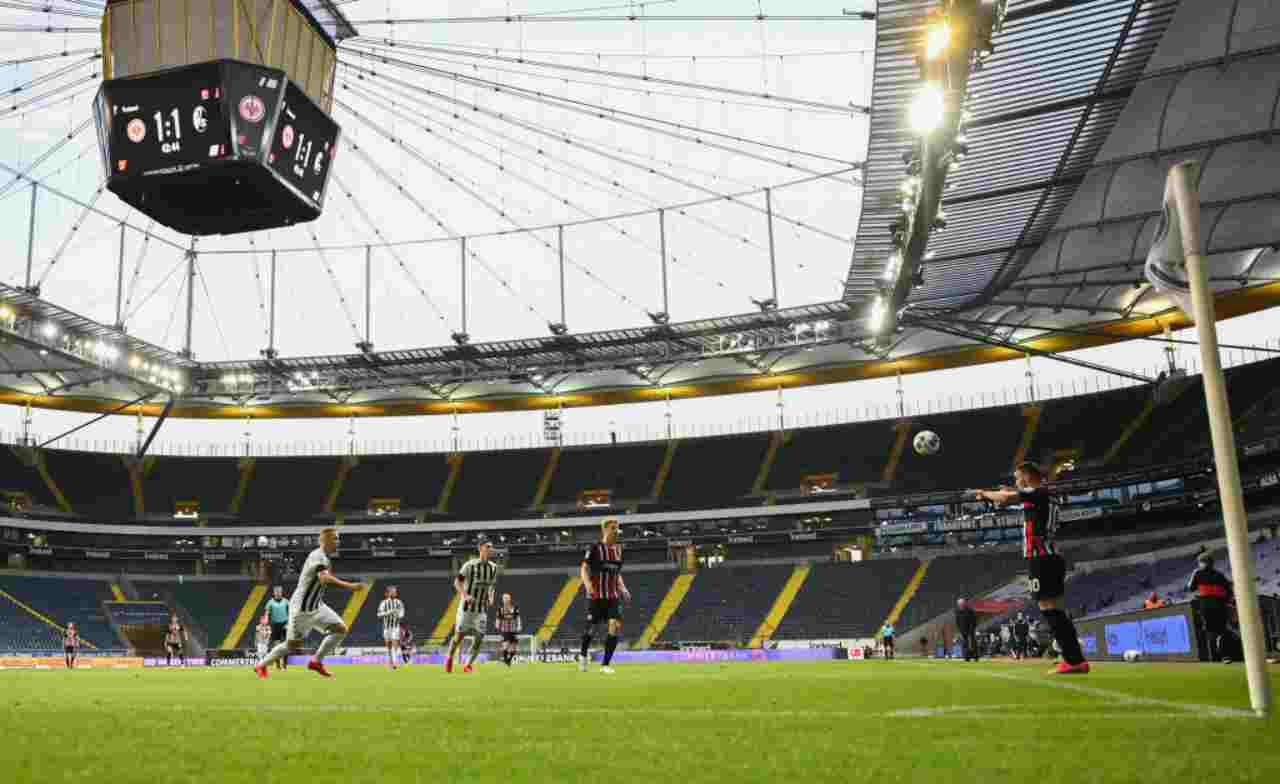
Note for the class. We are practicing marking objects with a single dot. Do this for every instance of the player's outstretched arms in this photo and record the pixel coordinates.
(329, 579)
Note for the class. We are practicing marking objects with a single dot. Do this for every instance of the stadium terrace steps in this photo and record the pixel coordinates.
(777, 441)
(662, 616)
(355, 601)
(664, 470)
(345, 466)
(902, 434)
(450, 484)
(58, 601)
(246, 617)
(780, 606)
(726, 603)
(1030, 413)
(907, 594)
(846, 600)
(544, 484)
(568, 592)
(417, 480)
(246, 466)
(444, 625)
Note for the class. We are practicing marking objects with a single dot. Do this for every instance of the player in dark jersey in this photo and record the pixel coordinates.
(606, 592)
(1213, 592)
(509, 625)
(406, 645)
(1046, 569)
(71, 645)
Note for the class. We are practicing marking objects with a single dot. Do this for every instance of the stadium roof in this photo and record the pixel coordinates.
(1074, 117)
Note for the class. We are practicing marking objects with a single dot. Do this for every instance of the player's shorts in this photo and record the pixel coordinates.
(278, 632)
(173, 646)
(69, 648)
(262, 651)
(508, 636)
(1047, 577)
(303, 623)
(474, 623)
(391, 634)
(601, 610)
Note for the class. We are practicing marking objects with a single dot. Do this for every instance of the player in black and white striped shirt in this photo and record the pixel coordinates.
(307, 610)
(475, 584)
(391, 611)
(509, 625)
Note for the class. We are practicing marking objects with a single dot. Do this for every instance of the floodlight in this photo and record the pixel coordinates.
(927, 108)
(936, 39)
(875, 322)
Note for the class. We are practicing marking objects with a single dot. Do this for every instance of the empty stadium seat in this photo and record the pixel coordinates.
(726, 603)
(846, 600)
(63, 600)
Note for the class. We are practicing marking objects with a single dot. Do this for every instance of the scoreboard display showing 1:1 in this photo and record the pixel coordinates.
(304, 146)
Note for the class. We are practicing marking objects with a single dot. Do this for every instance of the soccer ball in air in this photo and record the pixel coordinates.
(927, 443)
(1132, 656)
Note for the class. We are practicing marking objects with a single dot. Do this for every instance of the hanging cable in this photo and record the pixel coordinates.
(616, 115)
(503, 214)
(555, 198)
(258, 286)
(71, 235)
(38, 58)
(395, 254)
(213, 314)
(590, 147)
(64, 141)
(337, 288)
(137, 267)
(452, 235)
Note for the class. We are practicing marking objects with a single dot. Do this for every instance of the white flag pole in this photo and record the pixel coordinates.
(1180, 189)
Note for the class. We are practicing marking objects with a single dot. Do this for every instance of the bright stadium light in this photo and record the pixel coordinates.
(878, 311)
(936, 39)
(927, 108)
(49, 330)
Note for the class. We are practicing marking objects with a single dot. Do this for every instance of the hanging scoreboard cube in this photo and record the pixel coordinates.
(213, 116)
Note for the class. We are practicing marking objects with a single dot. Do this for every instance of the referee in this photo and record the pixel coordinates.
(278, 615)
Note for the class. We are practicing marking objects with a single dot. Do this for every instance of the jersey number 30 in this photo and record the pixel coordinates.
(1035, 584)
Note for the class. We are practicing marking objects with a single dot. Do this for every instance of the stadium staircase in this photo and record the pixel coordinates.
(36, 459)
(780, 606)
(355, 602)
(544, 484)
(22, 627)
(558, 610)
(662, 615)
(444, 626)
(143, 625)
(455, 472)
(246, 617)
(664, 470)
(895, 455)
(345, 466)
(1031, 414)
(907, 594)
(779, 439)
(246, 466)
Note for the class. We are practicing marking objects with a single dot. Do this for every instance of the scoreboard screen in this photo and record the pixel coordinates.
(305, 143)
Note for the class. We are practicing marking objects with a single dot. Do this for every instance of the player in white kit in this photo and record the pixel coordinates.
(391, 612)
(308, 612)
(475, 584)
(263, 636)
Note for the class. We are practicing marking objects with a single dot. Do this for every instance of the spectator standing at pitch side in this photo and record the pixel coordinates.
(966, 625)
(1021, 635)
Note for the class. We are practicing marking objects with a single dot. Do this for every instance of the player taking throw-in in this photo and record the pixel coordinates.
(308, 612)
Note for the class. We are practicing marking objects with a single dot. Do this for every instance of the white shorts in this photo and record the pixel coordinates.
(262, 650)
(303, 623)
(391, 634)
(473, 623)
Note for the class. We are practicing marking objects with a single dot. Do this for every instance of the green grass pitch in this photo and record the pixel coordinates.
(830, 721)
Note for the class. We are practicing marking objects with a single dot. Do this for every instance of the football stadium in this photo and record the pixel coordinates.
(693, 390)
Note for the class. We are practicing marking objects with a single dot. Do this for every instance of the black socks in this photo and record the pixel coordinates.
(610, 645)
(1064, 631)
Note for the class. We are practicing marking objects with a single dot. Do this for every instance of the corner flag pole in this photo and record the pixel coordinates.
(1184, 225)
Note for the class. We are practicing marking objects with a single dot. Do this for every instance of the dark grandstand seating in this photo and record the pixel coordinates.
(952, 576)
(214, 605)
(710, 472)
(65, 600)
(727, 603)
(425, 600)
(627, 470)
(96, 485)
(857, 453)
(20, 631)
(414, 479)
(846, 599)
(1087, 423)
(977, 449)
(210, 480)
(498, 484)
(648, 589)
(17, 476)
(287, 489)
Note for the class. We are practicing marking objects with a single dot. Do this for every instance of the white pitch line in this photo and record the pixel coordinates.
(1119, 697)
